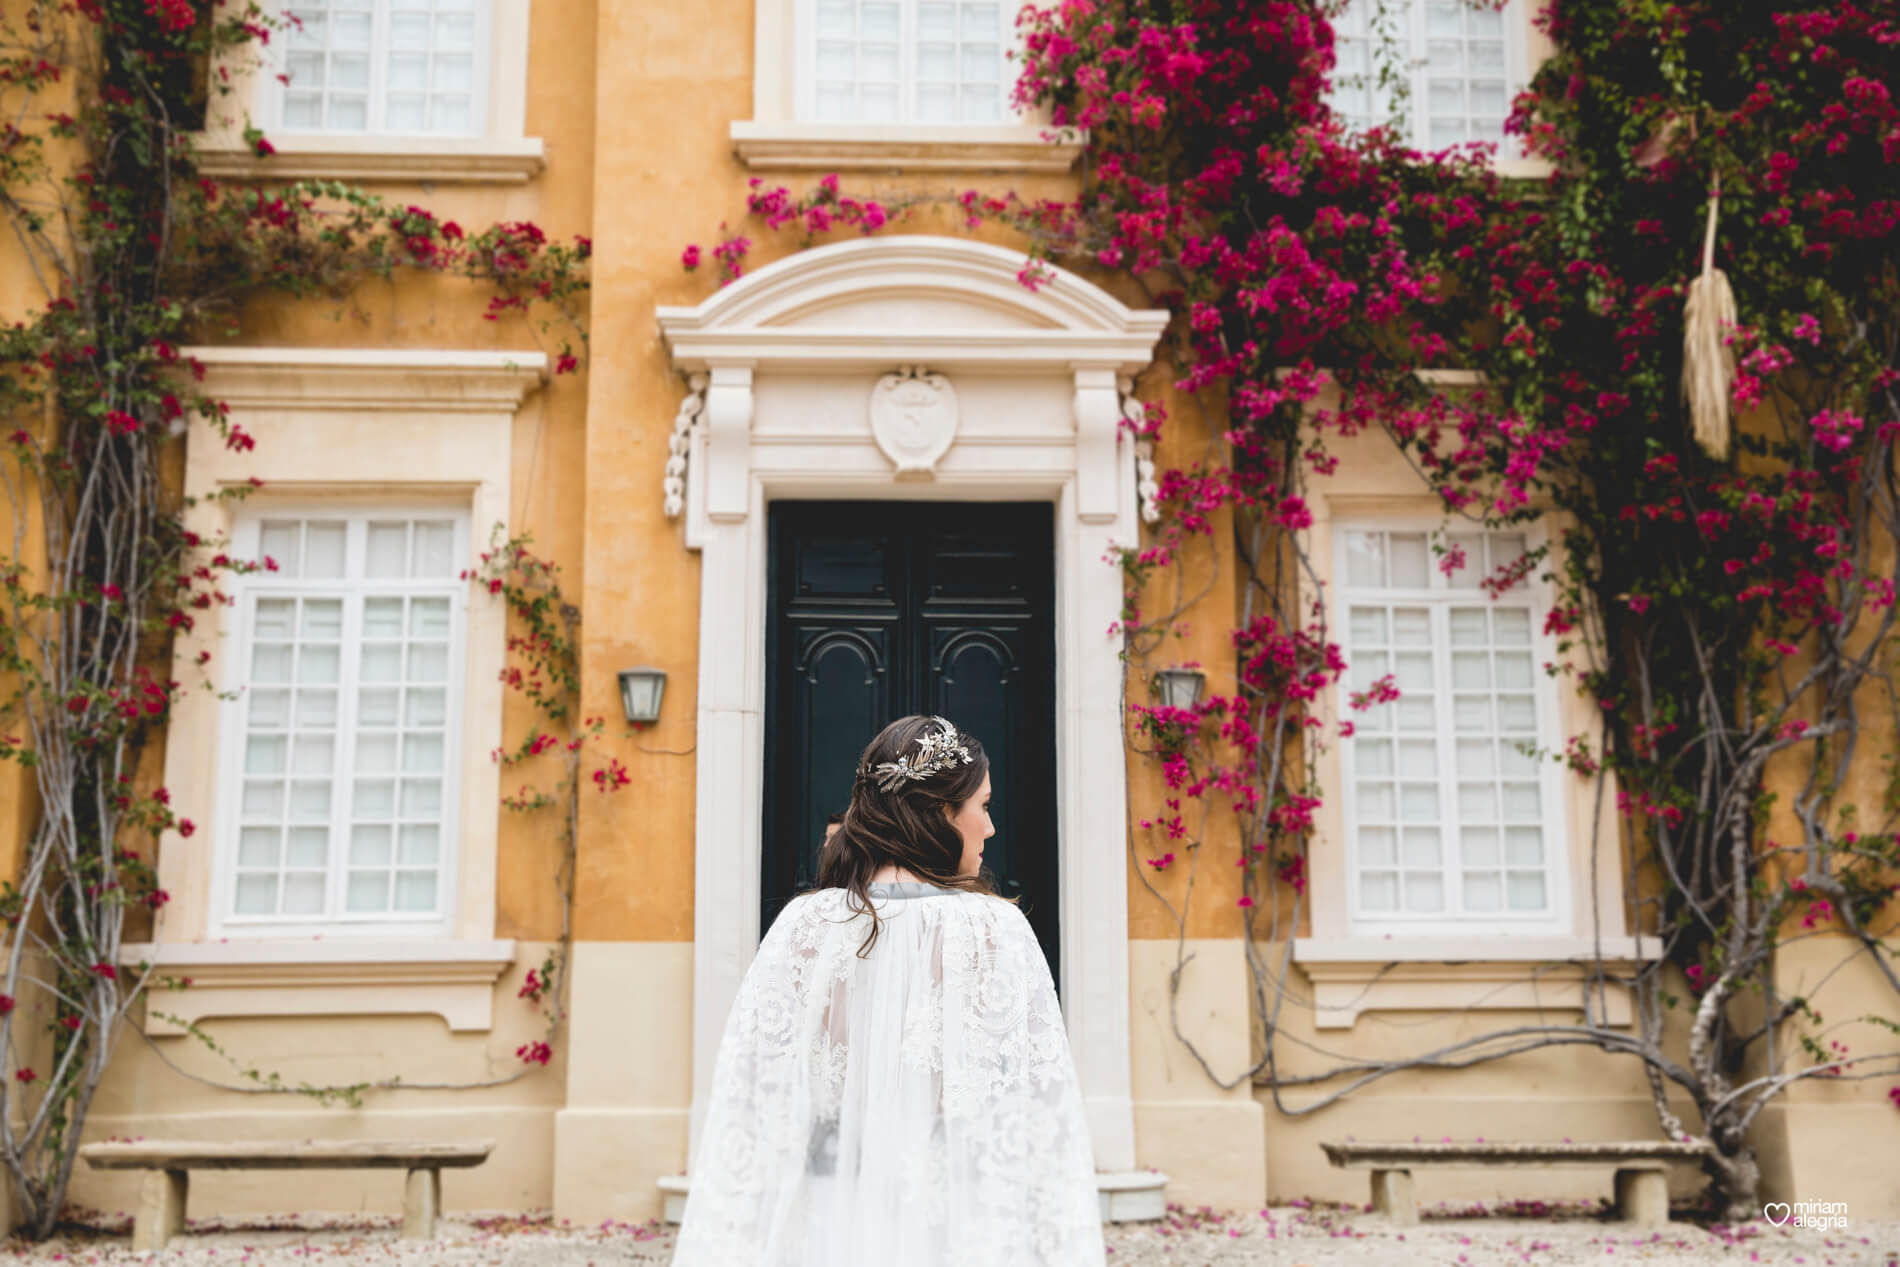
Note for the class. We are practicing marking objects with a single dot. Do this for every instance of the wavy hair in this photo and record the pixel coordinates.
(906, 827)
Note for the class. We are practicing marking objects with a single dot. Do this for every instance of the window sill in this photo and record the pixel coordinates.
(1523, 168)
(454, 980)
(432, 380)
(1355, 975)
(774, 145)
(409, 160)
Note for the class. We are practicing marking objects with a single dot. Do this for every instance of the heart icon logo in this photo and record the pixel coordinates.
(1768, 1212)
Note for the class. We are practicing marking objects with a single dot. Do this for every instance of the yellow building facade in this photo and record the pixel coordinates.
(639, 125)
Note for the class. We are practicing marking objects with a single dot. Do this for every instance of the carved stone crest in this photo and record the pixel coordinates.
(914, 417)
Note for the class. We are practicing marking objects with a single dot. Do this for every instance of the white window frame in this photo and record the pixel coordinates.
(781, 135)
(805, 90)
(1556, 918)
(245, 590)
(497, 151)
(1515, 25)
(481, 86)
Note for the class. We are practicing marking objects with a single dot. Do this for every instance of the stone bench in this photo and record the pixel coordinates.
(1642, 1187)
(161, 1210)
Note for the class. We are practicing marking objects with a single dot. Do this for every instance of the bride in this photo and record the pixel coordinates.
(894, 1086)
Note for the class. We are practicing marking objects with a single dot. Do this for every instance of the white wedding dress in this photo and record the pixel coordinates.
(914, 1108)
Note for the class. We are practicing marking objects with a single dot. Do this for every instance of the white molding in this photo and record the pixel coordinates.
(1069, 338)
(781, 136)
(307, 977)
(498, 152)
(1147, 491)
(352, 590)
(337, 427)
(1533, 596)
(679, 446)
(1470, 948)
(866, 348)
(436, 380)
(1523, 168)
(756, 322)
(1132, 1196)
(1517, 31)
(407, 160)
(770, 145)
(1352, 976)
(1386, 487)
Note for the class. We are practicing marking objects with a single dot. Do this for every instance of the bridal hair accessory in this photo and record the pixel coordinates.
(934, 753)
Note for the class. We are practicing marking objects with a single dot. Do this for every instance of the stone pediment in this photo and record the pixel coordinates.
(889, 300)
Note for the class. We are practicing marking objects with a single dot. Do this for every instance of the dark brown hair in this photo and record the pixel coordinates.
(906, 827)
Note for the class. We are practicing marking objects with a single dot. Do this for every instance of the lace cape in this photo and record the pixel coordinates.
(914, 1108)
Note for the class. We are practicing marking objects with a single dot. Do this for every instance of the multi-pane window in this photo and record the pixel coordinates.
(1459, 60)
(345, 726)
(397, 66)
(1450, 810)
(906, 61)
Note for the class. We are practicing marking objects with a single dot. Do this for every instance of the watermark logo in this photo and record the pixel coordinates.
(1816, 1214)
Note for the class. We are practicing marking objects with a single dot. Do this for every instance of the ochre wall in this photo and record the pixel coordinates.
(644, 174)
(176, 1086)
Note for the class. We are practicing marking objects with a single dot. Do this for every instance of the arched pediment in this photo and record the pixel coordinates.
(880, 300)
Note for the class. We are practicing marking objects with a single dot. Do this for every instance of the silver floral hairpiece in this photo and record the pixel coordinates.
(935, 752)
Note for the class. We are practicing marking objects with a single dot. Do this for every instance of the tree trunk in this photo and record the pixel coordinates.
(1737, 1189)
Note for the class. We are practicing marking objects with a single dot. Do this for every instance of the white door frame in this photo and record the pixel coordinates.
(846, 311)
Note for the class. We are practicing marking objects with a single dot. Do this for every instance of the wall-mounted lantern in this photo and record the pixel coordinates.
(1180, 688)
(640, 692)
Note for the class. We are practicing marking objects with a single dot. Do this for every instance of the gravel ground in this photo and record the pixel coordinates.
(1284, 1236)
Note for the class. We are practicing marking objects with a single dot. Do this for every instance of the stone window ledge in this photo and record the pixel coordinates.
(433, 380)
(830, 147)
(308, 977)
(1354, 975)
(1523, 168)
(405, 160)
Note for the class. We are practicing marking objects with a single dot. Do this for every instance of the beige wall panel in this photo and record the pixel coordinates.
(1822, 1152)
(629, 1034)
(164, 1075)
(177, 1088)
(1817, 1138)
(1207, 1140)
(608, 1163)
(629, 1080)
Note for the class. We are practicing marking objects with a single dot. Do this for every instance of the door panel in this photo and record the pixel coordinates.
(970, 681)
(879, 609)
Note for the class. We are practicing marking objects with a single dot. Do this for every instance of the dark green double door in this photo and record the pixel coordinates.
(879, 609)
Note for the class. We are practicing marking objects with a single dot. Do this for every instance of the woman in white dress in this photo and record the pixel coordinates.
(894, 1087)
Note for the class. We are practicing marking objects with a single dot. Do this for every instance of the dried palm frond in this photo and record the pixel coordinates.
(1708, 364)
